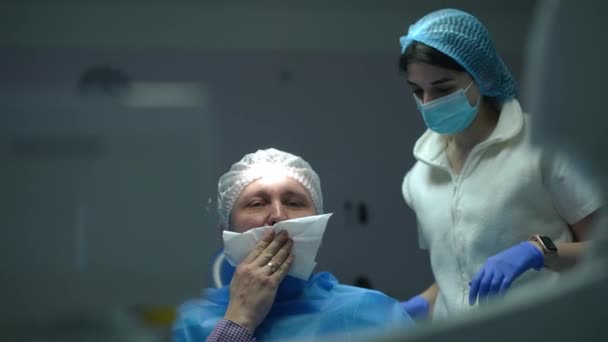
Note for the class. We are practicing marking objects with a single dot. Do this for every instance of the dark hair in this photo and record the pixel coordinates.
(418, 52)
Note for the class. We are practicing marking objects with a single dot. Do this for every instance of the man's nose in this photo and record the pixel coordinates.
(277, 214)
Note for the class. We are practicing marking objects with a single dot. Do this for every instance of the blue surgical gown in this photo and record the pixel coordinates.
(322, 308)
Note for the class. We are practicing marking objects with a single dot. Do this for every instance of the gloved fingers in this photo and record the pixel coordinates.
(506, 284)
(484, 285)
(474, 286)
(496, 283)
(417, 307)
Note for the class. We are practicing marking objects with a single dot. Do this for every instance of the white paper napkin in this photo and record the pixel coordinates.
(306, 233)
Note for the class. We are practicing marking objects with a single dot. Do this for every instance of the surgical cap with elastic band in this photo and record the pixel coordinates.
(269, 162)
(462, 37)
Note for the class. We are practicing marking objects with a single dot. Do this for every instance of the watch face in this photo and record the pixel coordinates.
(548, 243)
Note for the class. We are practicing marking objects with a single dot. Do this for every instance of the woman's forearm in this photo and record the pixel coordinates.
(430, 294)
(568, 254)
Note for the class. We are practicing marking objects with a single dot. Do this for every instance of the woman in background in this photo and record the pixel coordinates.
(490, 205)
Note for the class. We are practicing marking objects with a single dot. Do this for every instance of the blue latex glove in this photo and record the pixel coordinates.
(417, 307)
(500, 270)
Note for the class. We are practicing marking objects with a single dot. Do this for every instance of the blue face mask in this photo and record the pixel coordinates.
(449, 114)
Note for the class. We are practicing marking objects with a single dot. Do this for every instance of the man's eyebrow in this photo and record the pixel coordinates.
(294, 193)
(257, 193)
(290, 194)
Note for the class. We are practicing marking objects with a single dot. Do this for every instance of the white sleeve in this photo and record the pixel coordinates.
(405, 189)
(575, 194)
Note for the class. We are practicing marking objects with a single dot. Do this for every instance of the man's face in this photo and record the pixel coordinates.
(270, 200)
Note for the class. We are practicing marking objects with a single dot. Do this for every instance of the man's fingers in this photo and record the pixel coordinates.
(260, 247)
(276, 261)
(282, 271)
(269, 252)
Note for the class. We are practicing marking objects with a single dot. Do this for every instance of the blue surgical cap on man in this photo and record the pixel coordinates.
(462, 37)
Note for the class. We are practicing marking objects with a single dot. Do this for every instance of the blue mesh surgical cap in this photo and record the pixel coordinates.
(462, 37)
(253, 166)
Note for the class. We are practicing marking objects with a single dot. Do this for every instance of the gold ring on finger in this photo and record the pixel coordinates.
(273, 266)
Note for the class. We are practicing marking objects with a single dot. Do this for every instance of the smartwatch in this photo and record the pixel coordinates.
(545, 243)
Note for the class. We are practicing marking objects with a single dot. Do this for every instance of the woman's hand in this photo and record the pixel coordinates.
(256, 280)
(502, 269)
